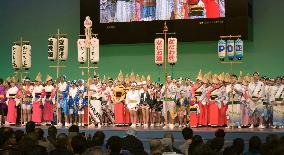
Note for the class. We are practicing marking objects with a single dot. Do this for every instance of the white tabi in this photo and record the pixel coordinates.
(234, 92)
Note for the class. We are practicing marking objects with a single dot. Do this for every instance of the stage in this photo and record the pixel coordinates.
(146, 134)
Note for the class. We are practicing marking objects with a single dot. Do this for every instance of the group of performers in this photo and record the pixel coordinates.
(148, 10)
(212, 100)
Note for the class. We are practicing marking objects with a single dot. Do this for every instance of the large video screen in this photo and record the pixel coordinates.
(139, 21)
(150, 10)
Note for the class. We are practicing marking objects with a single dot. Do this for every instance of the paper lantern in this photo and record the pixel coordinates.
(239, 49)
(26, 56)
(52, 49)
(16, 57)
(63, 49)
(222, 49)
(159, 51)
(82, 51)
(172, 50)
(95, 50)
(230, 49)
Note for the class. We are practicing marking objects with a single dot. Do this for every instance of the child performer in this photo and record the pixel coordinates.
(182, 104)
(81, 102)
(12, 95)
(71, 102)
(48, 100)
(193, 112)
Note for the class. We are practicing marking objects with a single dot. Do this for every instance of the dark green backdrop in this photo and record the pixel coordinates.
(34, 20)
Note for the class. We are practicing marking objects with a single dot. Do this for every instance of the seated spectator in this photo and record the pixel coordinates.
(196, 143)
(30, 127)
(220, 133)
(254, 146)
(61, 147)
(132, 143)
(36, 150)
(114, 145)
(216, 144)
(167, 145)
(239, 145)
(187, 134)
(42, 141)
(51, 137)
(155, 147)
(169, 135)
(94, 151)
(99, 138)
(79, 145)
(230, 150)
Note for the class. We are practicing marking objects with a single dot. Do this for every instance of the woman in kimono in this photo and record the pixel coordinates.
(37, 101)
(182, 106)
(3, 106)
(12, 95)
(48, 100)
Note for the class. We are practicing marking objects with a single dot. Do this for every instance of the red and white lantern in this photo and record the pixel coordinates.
(159, 51)
(82, 51)
(172, 50)
(95, 50)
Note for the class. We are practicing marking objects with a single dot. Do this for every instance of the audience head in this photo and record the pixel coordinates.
(36, 150)
(169, 135)
(52, 131)
(62, 141)
(254, 144)
(239, 145)
(187, 133)
(220, 133)
(19, 135)
(230, 151)
(167, 145)
(131, 132)
(216, 144)
(40, 133)
(74, 128)
(30, 127)
(155, 146)
(99, 138)
(78, 144)
(114, 144)
(94, 151)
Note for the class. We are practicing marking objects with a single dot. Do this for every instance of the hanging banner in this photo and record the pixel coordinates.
(159, 51)
(26, 56)
(82, 51)
(230, 49)
(16, 57)
(63, 49)
(239, 46)
(222, 49)
(172, 50)
(52, 49)
(95, 50)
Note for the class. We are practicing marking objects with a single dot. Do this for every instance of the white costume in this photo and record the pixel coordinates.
(95, 103)
(132, 99)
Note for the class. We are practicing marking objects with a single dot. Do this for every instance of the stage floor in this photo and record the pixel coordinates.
(145, 135)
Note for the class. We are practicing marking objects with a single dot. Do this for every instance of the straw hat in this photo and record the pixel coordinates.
(137, 78)
(215, 79)
(48, 78)
(120, 76)
(221, 77)
(199, 77)
(126, 79)
(227, 78)
(132, 77)
(148, 79)
(38, 77)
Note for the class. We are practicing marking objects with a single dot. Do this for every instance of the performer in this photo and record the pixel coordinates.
(104, 11)
(182, 106)
(194, 112)
(197, 89)
(164, 9)
(73, 92)
(214, 102)
(203, 102)
(123, 10)
(80, 102)
(223, 97)
(267, 102)
(277, 95)
(245, 112)
(95, 107)
(48, 100)
(234, 91)
(157, 107)
(145, 103)
(37, 100)
(27, 100)
(13, 94)
(212, 8)
(256, 89)
(169, 96)
(148, 10)
(108, 115)
(62, 101)
(132, 102)
(3, 106)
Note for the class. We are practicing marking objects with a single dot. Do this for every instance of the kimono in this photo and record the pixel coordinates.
(3, 105)
(37, 104)
(12, 95)
(49, 101)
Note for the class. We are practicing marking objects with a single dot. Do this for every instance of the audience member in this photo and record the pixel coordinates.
(187, 134)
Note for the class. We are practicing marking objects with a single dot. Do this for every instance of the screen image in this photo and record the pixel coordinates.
(149, 10)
